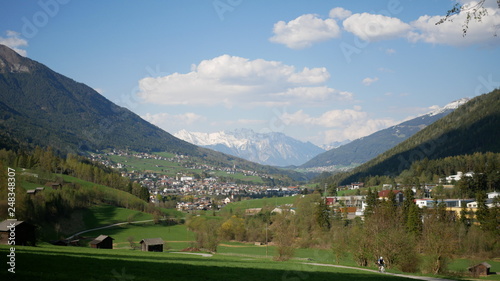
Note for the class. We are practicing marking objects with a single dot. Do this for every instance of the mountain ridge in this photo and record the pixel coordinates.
(70, 116)
(363, 149)
(470, 128)
(42, 108)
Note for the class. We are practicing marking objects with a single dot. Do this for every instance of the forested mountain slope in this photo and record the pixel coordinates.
(363, 149)
(39, 107)
(473, 127)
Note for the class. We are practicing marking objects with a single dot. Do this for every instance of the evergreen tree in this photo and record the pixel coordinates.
(409, 200)
(464, 216)
(482, 213)
(323, 215)
(414, 220)
(371, 202)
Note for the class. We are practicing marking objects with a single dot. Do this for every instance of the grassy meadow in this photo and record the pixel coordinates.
(258, 203)
(172, 168)
(177, 237)
(75, 263)
(101, 215)
(233, 260)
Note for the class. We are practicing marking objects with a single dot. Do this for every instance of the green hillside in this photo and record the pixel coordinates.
(177, 237)
(471, 128)
(363, 149)
(258, 203)
(67, 115)
(101, 215)
(39, 107)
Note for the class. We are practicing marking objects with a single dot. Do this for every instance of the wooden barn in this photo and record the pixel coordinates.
(24, 232)
(482, 269)
(102, 242)
(152, 245)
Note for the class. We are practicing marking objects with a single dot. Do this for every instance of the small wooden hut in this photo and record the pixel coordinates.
(482, 269)
(24, 232)
(102, 242)
(152, 245)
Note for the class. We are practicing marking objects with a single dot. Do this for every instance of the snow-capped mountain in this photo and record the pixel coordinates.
(334, 144)
(273, 148)
(449, 107)
(363, 149)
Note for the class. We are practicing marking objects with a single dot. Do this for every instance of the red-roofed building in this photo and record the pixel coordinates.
(330, 201)
(357, 185)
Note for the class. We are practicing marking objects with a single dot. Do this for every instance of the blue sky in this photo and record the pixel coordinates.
(319, 71)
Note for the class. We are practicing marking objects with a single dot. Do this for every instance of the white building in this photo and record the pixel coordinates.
(449, 202)
(184, 178)
(494, 194)
(458, 176)
(281, 210)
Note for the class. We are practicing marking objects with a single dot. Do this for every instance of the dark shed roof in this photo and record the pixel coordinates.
(5, 225)
(152, 241)
(99, 239)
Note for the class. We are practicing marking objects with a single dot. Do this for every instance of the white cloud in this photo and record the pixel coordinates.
(341, 124)
(368, 81)
(308, 29)
(14, 42)
(319, 94)
(450, 32)
(339, 13)
(231, 80)
(99, 90)
(357, 130)
(243, 122)
(371, 27)
(384, 69)
(303, 31)
(172, 123)
(390, 51)
(310, 76)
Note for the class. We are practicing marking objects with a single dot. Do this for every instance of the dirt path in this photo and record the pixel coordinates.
(104, 227)
(393, 274)
(197, 254)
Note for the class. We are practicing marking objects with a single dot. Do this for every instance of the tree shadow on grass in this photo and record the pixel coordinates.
(32, 265)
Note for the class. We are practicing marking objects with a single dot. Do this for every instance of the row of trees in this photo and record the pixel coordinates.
(46, 163)
(409, 238)
(50, 205)
(486, 167)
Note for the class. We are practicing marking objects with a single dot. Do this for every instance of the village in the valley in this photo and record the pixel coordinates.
(197, 193)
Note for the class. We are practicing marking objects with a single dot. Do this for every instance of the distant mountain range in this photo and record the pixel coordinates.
(334, 144)
(363, 149)
(276, 149)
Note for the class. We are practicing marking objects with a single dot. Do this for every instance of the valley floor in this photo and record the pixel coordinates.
(47, 262)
